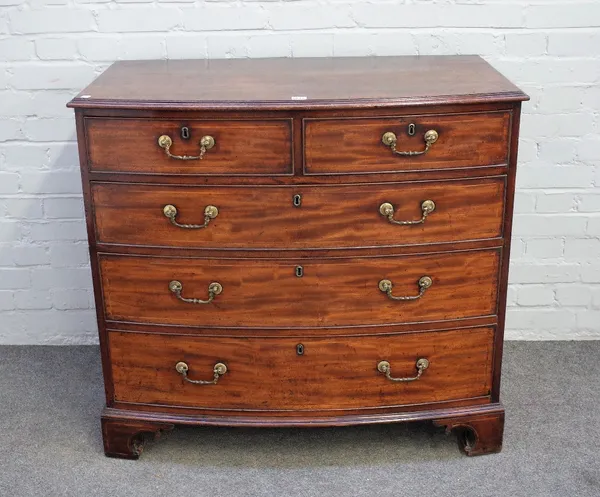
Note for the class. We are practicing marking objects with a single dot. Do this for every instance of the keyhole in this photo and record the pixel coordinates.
(300, 349)
(411, 129)
(185, 133)
(297, 200)
(299, 271)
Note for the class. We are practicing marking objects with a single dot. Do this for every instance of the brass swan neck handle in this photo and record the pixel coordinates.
(387, 210)
(385, 368)
(424, 283)
(210, 212)
(219, 370)
(206, 143)
(390, 140)
(214, 289)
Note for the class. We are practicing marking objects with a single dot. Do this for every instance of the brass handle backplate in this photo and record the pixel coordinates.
(206, 143)
(387, 210)
(218, 370)
(214, 289)
(424, 283)
(390, 139)
(385, 368)
(210, 212)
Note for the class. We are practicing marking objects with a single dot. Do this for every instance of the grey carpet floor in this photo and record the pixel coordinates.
(50, 444)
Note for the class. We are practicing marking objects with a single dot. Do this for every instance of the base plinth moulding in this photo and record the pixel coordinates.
(479, 428)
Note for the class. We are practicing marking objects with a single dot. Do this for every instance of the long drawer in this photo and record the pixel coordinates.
(299, 217)
(299, 293)
(330, 373)
(211, 147)
(405, 143)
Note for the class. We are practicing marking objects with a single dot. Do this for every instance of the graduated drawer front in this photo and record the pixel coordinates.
(354, 145)
(241, 147)
(328, 216)
(332, 373)
(267, 293)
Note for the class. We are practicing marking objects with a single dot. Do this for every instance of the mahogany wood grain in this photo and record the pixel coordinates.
(89, 207)
(330, 112)
(332, 373)
(478, 434)
(289, 417)
(367, 330)
(268, 294)
(126, 429)
(328, 217)
(317, 147)
(505, 261)
(297, 83)
(125, 439)
(296, 117)
(300, 179)
(244, 147)
(397, 414)
(344, 146)
(301, 254)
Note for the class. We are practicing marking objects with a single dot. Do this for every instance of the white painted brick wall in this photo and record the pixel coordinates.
(50, 49)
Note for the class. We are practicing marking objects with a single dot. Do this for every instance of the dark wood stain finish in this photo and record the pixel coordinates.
(310, 127)
(339, 83)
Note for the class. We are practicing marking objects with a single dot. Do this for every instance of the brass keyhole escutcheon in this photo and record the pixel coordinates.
(297, 200)
(185, 133)
(299, 271)
(412, 129)
(300, 349)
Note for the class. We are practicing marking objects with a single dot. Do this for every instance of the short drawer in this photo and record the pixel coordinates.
(332, 372)
(319, 217)
(380, 145)
(215, 147)
(262, 293)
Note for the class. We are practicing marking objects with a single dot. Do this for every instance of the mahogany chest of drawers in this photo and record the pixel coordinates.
(300, 242)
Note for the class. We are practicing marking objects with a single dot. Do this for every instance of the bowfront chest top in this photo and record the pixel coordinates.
(300, 242)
